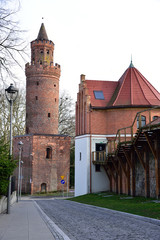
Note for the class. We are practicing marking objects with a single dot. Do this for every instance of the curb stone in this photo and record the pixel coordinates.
(55, 230)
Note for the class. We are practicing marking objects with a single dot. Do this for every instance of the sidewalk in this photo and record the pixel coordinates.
(24, 223)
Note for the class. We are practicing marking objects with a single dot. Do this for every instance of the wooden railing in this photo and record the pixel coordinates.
(126, 135)
(99, 156)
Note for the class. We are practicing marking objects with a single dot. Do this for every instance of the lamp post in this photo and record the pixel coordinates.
(20, 145)
(11, 94)
(21, 180)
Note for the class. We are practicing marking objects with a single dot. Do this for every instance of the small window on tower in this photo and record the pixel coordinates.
(36, 97)
(48, 152)
(49, 115)
(47, 51)
(41, 51)
(54, 85)
(37, 83)
(40, 62)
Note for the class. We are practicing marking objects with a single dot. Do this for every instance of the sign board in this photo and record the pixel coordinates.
(62, 182)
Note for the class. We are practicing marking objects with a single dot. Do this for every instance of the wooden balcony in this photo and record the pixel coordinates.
(99, 157)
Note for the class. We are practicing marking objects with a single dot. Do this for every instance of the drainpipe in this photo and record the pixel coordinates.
(90, 151)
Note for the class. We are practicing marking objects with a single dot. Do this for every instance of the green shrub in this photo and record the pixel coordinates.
(7, 166)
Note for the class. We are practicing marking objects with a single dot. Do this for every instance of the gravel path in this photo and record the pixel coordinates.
(84, 222)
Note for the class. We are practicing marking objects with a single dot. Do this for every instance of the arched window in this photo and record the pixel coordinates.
(48, 152)
(142, 123)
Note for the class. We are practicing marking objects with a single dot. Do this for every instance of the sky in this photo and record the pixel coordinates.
(97, 37)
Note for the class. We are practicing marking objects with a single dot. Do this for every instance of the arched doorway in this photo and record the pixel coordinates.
(43, 187)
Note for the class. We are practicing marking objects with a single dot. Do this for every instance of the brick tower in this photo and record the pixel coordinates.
(42, 88)
(46, 154)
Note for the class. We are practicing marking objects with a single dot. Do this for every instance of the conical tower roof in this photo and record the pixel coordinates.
(42, 35)
(134, 89)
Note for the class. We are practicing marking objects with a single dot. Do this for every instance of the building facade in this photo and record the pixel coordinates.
(102, 108)
(45, 154)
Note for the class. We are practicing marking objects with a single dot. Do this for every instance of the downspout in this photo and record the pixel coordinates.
(90, 150)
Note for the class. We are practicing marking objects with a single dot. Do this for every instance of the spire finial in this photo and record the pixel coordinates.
(131, 64)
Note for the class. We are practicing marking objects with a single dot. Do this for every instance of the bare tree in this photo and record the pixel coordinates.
(18, 116)
(12, 44)
(66, 115)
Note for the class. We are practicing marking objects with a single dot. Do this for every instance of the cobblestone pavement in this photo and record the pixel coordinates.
(83, 222)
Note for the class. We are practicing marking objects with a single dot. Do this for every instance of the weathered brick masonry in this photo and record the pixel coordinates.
(46, 154)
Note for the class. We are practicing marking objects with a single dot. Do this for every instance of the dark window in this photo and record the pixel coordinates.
(98, 95)
(37, 83)
(155, 117)
(41, 51)
(143, 121)
(55, 99)
(40, 62)
(49, 115)
(36, 97)
(48, 152)
(54, 85)
(47, 51)
(97, 167)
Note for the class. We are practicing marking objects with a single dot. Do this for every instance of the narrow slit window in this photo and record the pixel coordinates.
(80, 156)
(49, 115)
(36, 97)
(37, 83)
(98, 95)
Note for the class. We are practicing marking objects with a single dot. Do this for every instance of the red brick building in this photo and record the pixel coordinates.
(102, 108)
(46, 154)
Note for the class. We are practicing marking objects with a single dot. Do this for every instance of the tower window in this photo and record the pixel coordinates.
(49, 115)
(41, 51)
(37, 83)
(48, 152)
(36, 97)
(55, 99)
(40, 62)
(47, 51)
(54, 85)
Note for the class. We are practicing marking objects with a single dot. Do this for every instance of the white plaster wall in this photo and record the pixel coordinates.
(82, 167)
(100, 181)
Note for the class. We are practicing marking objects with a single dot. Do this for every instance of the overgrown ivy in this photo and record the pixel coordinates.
(7, 166)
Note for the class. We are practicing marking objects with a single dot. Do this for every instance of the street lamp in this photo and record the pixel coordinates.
(11, 94)
(20, 145)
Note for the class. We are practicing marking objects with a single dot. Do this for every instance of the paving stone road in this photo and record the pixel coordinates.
(85, 222)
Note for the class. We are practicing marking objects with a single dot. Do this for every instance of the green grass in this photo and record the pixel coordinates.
(138, 205)
(53, 194)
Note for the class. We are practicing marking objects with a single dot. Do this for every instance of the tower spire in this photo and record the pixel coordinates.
(42, 35)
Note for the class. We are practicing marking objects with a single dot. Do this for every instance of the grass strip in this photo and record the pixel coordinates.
(147, 207)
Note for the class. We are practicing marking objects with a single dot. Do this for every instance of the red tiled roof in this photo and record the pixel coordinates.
(108, 88)
(132, 89)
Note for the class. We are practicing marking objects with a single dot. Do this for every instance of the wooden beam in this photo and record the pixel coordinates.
(139, 157)
(120, 180)
(128, 179)
(133, 174)
(157, 167)
(150, 145)
(111, 171)
(122, 165)
(109, 176)
(146, 172)
(127, 157)
(114, 164)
